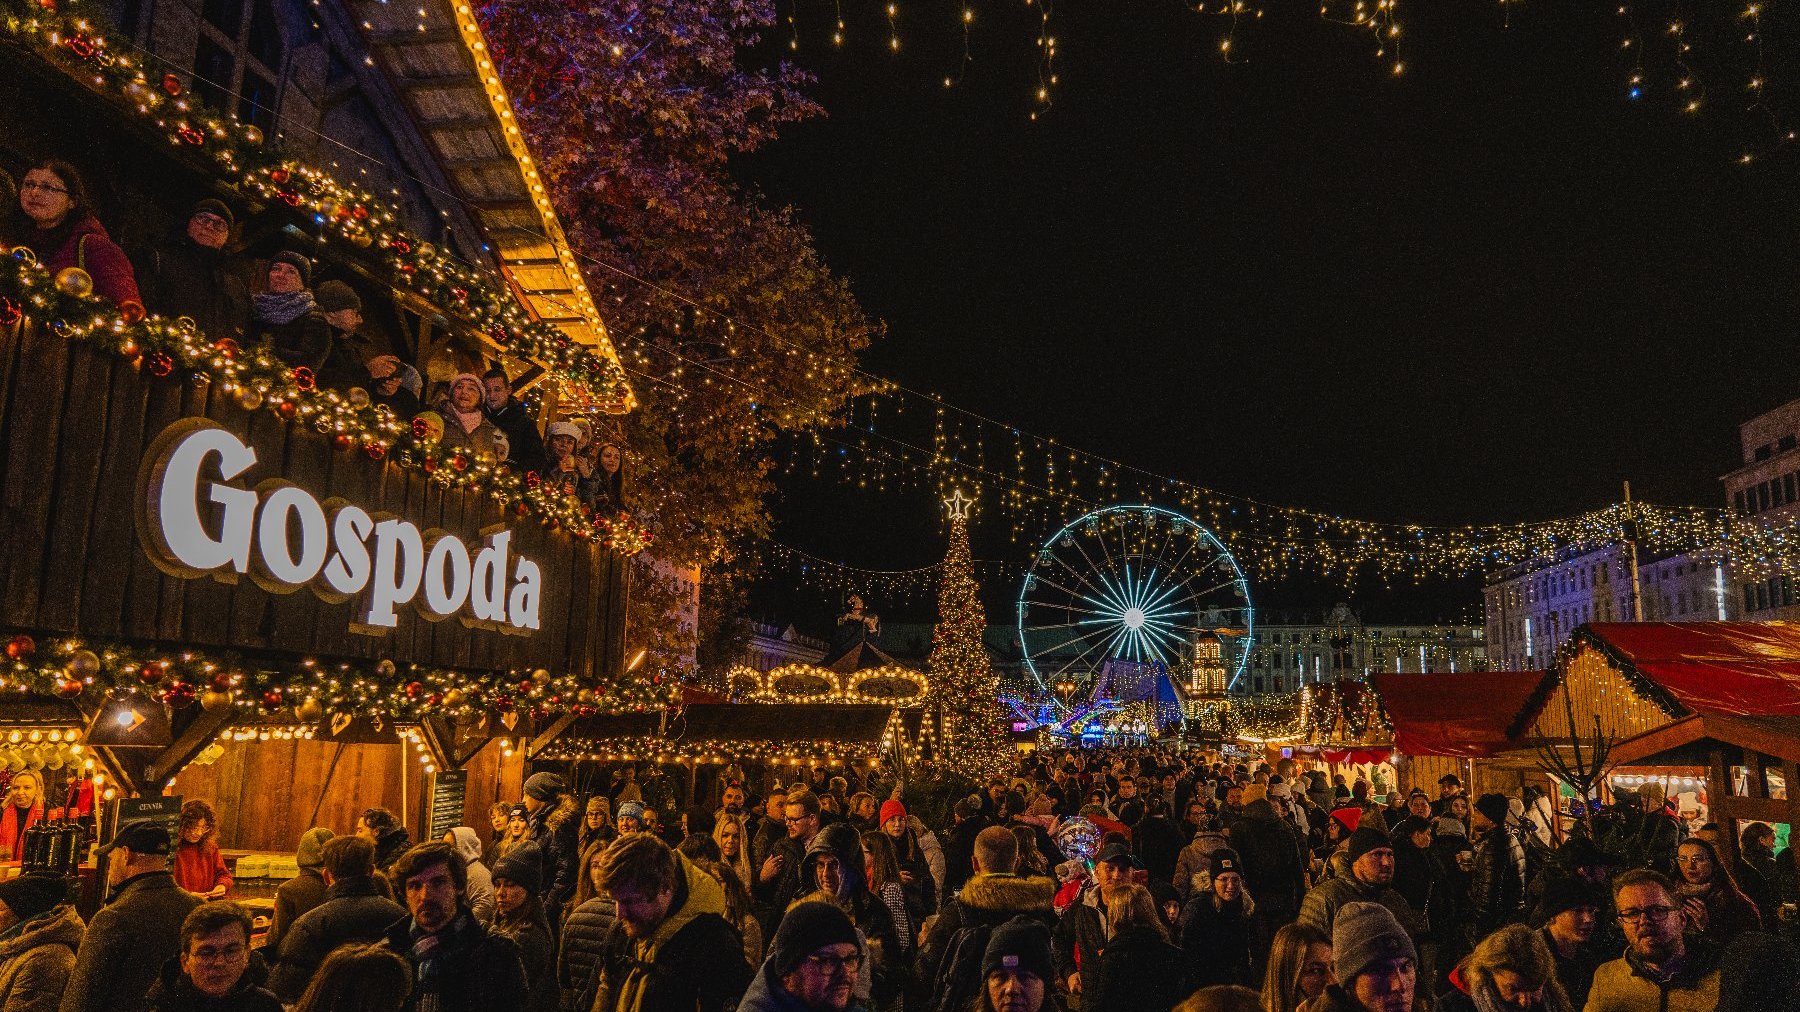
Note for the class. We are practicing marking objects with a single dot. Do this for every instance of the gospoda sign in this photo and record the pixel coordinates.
(195, 522)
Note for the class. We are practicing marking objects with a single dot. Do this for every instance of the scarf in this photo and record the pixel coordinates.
(282, 307)
(468, 421)
(429, 949)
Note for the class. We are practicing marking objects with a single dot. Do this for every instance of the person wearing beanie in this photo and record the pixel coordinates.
(553, 823)
(1375, 960)
(286, 317)
(917, 877)
(1016, 967)
(1497, 877)
(673, 950)
(1216, 927)
(812, 964)
(519, 915)
(39, 935)
(1570, 911)
(190, 274)
(302, 892)
(631, 817)
(834, 866)
(525, 447)
(1369, 857)
(466, 426)
(993, 895)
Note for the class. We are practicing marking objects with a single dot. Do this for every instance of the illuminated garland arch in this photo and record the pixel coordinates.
(889, 684)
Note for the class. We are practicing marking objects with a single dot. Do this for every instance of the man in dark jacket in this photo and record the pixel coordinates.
(1080, 934)
(778, 880)
(812, 964)
(355, 910)
(991, 897)
(1371, 880)
(1497, 878)
(216, 971)
(191, 275)
(458, 966)
(554, 824)
(137, 931)
(672, 949)
(1274, 869)
(834, 864)
(381, 828)
(1570, 912)
(959, 846)
(1157, 842)
(525, 443)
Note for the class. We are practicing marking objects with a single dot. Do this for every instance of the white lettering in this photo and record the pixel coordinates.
(285, 539)
(445, 592)
(396, 578)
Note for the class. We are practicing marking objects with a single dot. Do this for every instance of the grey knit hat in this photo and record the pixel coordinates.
(1364, 934)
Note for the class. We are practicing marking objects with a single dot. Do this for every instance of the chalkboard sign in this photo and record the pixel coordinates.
(162, 808)
(449, 789)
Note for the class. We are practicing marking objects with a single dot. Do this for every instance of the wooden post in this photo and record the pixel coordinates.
(1719, 806)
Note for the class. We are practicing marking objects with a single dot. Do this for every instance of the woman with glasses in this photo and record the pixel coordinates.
(56, 222)
(1714, 905)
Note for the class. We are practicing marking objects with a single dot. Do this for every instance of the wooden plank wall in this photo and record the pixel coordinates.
(254, 817)
(76, 426)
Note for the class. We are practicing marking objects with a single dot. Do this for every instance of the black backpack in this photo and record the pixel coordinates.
(959, 978)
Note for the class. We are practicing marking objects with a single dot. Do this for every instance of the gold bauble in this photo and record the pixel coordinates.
(212, 700)
(427, 251)
(455, 698)
(253, 135)
(310, 711)
(82, 665)
(74, 281)
(362, 239)
(25, 254)
(249, 398)
(385, 668)
(357, 396)
(541, 676)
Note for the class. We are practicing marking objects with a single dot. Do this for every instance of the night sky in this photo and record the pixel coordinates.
(1487, 289)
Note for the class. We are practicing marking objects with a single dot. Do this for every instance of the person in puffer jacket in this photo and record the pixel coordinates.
(481, 881)
(1192, 866)
(39, 933)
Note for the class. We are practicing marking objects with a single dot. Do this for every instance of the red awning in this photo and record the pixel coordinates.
(1731, 668)
(1463, 715)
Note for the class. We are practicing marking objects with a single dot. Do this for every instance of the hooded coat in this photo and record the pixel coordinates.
(692, 962)
(556, 829)
(866, 909)
(354, 911)
(1274, 868)
(987, 900)
(35, 962)
(481, 880)
(1196, 860)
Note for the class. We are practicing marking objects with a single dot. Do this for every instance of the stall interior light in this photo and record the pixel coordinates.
(128, 718)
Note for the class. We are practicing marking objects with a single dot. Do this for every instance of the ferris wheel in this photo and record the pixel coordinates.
(1138, 584)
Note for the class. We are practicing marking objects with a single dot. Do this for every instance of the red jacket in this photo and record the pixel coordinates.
(199, 867)
(86, 245)
(12, 828)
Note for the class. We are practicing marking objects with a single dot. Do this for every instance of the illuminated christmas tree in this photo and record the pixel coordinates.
(963, 685)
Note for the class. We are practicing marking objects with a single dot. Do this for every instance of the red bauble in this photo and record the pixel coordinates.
(132, 311)
(525, 688)
(434, 699)
(403, 246)
(304, 378)
(20, 647)
(359, 212)
(221, 683)
(430, 465)
(271, 700)
(522, 510)
(68, 688)
(159, 363)
(130, 350)
(407, 269)
(279, 175)
(460, 462)
(342, 441)
(287, 409)
(152, 672)
(9, 312)
(227, 348)
(532, 480)
(171, 84)
(374, 451)
(191, 136)
(414, 689)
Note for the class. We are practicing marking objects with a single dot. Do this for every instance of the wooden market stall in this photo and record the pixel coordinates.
(1446, 722)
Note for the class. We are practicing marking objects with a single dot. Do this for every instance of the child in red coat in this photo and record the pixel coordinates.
(199, 867)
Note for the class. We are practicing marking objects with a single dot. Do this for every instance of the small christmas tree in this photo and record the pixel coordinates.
(964, 689)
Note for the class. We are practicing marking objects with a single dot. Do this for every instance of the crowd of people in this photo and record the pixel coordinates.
(279, 303)
(1135, 881)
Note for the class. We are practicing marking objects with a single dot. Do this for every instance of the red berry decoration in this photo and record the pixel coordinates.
(359, 212)
(503, 702)
(304, 379)
(132, 311)
(342, 441)
(460, 294)
(287, 409)
(403, 246)
(81, 46)
(178, 694)
(221, 683)
(227, 348)
(9, 312)
(20, 647)
(279, 175)
(159, 363)
(171, 85)
(434, 699)
(290, 199)
(67, 688)
(374, 450)
(152, 672)
(407, 269)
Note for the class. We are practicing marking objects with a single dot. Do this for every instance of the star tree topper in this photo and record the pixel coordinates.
(958, 505)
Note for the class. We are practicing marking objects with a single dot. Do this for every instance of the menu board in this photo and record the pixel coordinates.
(162, 808)
(449, 789)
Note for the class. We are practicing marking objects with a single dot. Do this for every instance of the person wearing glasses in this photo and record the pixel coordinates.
(215, 970)
(1714, 905)
(1664, 967)
(191, 275)
(672, 949)
(57, 223)
(812, 965)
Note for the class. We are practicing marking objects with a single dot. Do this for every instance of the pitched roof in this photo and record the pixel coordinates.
(1464, 714)
(1729, 668)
